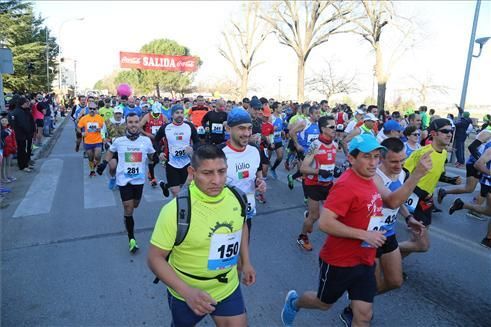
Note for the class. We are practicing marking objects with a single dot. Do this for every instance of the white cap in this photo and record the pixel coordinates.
(118, 110)
(359, 112)
(370, 117)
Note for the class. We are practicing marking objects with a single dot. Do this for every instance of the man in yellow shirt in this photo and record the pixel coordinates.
(201, 271)
(420, 203)
(90, 127)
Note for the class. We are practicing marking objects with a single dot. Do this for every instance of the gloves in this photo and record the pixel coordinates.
(337, 172)
(325, 173)
(101, 167)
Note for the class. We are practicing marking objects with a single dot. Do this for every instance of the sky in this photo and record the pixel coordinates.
(439, 54)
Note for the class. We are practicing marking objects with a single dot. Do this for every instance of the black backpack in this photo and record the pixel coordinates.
(183, 204)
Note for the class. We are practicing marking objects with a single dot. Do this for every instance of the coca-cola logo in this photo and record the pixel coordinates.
(188, 63)
(131, 60)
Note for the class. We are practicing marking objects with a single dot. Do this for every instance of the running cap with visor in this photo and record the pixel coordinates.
(365, 143)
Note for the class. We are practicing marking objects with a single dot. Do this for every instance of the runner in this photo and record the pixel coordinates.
(196, 114)
(180, 137)
(472, 174)
(131, 107)
(243, 159)
(368, 127)
(166, 109)
(413, 135)
(319, 169)
(115, 127)
(266, 145)
(106, 111)
(149, 125)
(201, 273)
(347, 259)
(92, 125)
(278, 124)
(213, 123)
(77, 112)
(420, 203)
(390, 129)
(132, 150)
(483, 164)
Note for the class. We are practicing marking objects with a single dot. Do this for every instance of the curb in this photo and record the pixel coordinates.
(46, 148)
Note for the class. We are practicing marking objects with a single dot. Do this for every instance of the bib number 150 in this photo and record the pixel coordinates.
(228, 251)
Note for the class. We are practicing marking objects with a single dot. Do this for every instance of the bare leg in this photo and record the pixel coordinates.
(233, 321)
(388, 271)
(416, 243)
(309, 300)
(312, 217)
(362, 313)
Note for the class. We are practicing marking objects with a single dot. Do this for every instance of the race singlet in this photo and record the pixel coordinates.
(224, 250)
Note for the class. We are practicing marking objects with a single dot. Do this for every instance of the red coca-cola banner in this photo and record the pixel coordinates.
(158, 62)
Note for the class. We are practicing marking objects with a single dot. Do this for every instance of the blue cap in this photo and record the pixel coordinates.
(392, 125)
(255, 103)
(176, 107)
(365, 143)
(238, 116)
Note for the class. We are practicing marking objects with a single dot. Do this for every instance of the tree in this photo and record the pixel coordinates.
(326, 82)
(23, 33)
(304, 29)
(426, 86)
(371, 18)
(242, 41)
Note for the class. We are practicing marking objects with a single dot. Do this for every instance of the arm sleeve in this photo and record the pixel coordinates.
(194, 136)
(474, 148)
(158, 137)
(165, 231)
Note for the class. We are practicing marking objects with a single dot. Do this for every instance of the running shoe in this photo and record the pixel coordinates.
(92, 174)
(289, 311)
(304, 243)
(27, 170)
(273, 174)
(475, 215)
(290, 181)
(133, 246)
(5, 190)
(458, 204)
(165, 189)
(260, 198)
(346, 316)
(85, 155)
(12, 179)
(153, 182)
(5, 181)
(305, 214)
(112, 183)
(35, 147)
(486, 242)
(441, 194)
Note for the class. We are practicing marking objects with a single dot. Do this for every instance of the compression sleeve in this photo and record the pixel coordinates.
(473, 148)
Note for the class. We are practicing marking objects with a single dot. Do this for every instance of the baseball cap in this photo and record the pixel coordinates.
(466, 114)
(256, 104)
(359, 112)
(238, 116)
(156, 108)
(246, 100)
(145, 105)
(438, 123)
(392, 125)
(365, 143)
(176, 107)
(370, 117)
(118, 110)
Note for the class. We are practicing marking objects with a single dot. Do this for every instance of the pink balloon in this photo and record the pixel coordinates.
(124, 89)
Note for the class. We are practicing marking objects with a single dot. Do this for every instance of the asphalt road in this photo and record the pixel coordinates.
(65, 260)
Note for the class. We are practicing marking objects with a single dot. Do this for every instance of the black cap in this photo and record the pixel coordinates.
(438, 123)
(246, 100)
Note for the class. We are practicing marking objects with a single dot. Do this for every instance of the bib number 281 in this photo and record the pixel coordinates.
(133, 170)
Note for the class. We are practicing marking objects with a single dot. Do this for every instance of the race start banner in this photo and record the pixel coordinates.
(158, 62)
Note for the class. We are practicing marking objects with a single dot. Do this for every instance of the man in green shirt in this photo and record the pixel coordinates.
(201, 272)
(106, 112)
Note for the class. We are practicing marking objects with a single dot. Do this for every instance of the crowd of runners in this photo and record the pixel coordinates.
(359, 170)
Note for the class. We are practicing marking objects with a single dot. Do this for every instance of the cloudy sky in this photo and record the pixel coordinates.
(439, 55)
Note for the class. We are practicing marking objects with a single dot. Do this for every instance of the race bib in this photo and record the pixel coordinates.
(277, 134)
(216, 128)
(155, 129)
(251, 205)
(390, 216)
(412, 202)
(133, 165)
(376, 224)
(201, 130)
(224, 250)
(178, 152)
(312, 137)
(92, 127)
(329, 168)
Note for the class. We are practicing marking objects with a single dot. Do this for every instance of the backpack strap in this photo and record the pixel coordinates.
(183, 204)
(241, 197)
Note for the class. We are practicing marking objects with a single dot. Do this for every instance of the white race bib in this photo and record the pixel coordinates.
(312, 137)
(177, 152)
(251, 205)
(390, 216)
(328, 168)
(133, 165)
(201, 130)
(224, 250)
(92, 127)
(155, 129)
(412, 202)
(376, 224)
(216, 128)
(277, 134)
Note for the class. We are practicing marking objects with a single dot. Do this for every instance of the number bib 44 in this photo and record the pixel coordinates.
(224, 250)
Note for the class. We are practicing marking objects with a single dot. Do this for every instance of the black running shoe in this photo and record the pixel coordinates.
(165, 189)
(486, 242)
(458, 204)
(346, 316)
(441, 194)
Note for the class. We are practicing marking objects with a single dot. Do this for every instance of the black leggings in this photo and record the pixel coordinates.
(24, 149)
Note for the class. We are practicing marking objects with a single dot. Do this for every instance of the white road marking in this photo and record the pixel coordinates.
(39, 198)
(96, 192)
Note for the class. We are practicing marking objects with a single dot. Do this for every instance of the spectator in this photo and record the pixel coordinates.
(461, 127)
(425, 119)
(9, 149)
(22, 122)
(38, 116)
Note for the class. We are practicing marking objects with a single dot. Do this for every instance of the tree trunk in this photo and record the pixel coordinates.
(157, 88)
(381, 86)
(381, 78)
(244, 84)
(300, 79)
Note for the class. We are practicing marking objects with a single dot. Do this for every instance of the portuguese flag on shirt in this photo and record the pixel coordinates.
(133, 157)
(243, 174)
(179, 137)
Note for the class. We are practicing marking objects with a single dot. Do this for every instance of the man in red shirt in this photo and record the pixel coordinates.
(352, 219)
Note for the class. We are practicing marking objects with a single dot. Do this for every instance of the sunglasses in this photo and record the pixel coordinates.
(445, 131)
(331, 127)
(415, 134)
(92, 108)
